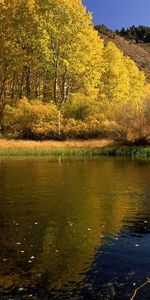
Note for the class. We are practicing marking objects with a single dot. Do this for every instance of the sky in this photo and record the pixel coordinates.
(119, 13)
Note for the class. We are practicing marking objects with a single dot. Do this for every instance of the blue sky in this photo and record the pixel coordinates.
(119, 13)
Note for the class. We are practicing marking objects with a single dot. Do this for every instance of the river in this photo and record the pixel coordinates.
(74, 228)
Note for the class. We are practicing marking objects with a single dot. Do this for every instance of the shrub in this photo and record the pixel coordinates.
(74, 129)
(79, 107)
(31, 119)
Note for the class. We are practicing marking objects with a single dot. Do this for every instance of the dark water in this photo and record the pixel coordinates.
(74, 228)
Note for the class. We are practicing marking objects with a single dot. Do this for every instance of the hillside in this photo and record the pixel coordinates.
(139, 52)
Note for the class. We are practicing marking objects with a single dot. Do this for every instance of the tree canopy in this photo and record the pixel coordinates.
(140, 34)
(50, 52)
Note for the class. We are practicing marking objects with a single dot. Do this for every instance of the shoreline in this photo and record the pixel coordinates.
(71, 148)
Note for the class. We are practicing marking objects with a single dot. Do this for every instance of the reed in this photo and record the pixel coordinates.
(71, 148)
(34, 148)
(48, 145)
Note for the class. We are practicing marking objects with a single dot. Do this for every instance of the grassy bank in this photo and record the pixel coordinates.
(71, 148)
(37, 148)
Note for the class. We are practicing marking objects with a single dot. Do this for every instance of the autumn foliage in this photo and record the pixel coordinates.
(58, 80)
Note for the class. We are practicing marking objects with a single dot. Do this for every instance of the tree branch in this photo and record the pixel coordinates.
(141, 286)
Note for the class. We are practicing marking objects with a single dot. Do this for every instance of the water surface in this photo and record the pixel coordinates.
(74, 228)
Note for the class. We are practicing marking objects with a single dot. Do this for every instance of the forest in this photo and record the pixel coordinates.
(58, 80)
(140, 34)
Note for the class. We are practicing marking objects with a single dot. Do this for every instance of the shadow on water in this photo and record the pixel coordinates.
(74, 229)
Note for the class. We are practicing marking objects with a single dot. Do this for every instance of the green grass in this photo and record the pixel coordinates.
(124, 151)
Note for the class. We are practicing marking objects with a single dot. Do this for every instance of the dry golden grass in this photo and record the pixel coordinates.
(70, 148)
(53, 145)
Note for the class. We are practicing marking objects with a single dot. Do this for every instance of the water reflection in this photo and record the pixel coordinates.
(57, 217)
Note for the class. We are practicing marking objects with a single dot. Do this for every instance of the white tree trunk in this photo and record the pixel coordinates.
(59, 122)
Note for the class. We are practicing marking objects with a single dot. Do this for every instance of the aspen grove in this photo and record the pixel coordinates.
(58, 80)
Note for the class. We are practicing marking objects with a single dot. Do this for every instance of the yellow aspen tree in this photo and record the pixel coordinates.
(115, 81)
(77, 50)
(137, 80)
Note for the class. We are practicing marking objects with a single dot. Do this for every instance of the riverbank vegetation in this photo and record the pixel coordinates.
(19, 147)
(59, 81)
(72, 148)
